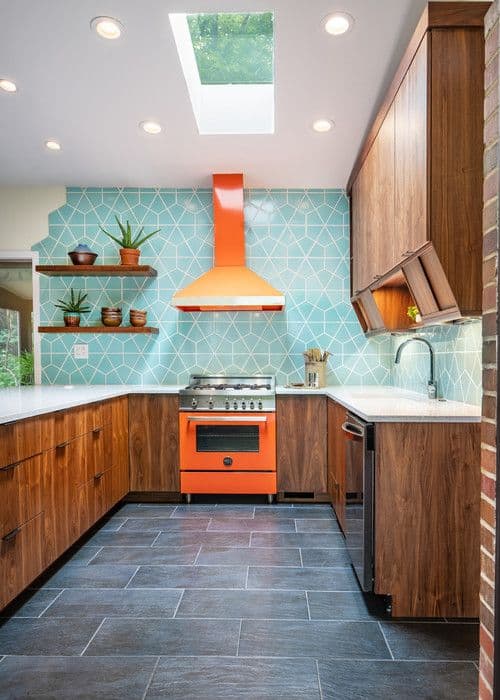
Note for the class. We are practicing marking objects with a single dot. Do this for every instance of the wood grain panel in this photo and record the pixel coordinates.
(336, 459)
(420, 287)
(456, 160)
(21, 495)
(21, 559)
(154, 443)
(20, 440)
(427, 492)
(301, 435)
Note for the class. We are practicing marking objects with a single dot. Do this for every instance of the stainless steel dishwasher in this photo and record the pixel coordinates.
(359, 438)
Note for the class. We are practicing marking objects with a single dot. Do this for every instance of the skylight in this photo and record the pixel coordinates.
(228, 64)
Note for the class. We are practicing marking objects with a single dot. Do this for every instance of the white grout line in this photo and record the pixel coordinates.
(196, 558)
(246, 579)
(120, 526)
(319, 681)
(92, 637)
(179, 602)
(130, 579)
(385, 640)
(92, 558)
(300, 555)
(151, 678)
(154, 540)
(52, 602)
(239, 637)
(308, 608)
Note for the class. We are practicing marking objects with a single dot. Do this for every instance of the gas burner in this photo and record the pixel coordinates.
(220, 393)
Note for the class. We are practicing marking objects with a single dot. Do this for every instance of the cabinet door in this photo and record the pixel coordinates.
(21, 558)
(361, 261)
(411, 175)
(154, 443)
(301, 431)
(20, 493)
(336, 459)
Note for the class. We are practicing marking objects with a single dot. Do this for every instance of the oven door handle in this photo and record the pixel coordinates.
(352, 431)
(227, 419)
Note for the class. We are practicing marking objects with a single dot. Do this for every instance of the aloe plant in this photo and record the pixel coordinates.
(128, 240)
(75, 305)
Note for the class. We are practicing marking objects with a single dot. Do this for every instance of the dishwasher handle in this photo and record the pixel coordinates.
(353, 432)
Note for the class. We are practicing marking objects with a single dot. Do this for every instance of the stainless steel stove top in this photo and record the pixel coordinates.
(220, 393)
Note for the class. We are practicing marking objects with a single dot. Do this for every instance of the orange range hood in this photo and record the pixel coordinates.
(229, 285)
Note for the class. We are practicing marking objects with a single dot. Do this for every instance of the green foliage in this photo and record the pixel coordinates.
(412, 312)
(128, 240)
(75, 304)
(233, 48)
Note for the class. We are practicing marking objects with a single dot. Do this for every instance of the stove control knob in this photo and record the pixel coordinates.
(243, 405)
(235, 405)
(227, 405)
(252, 405)
(194, 403)
(210, 404)
(260, 405)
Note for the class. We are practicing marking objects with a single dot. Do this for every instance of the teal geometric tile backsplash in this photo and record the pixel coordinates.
(298, 240)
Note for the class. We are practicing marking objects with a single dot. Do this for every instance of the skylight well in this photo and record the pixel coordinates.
(228, 64)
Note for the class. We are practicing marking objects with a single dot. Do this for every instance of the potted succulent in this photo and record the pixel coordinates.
(73, 308)
(129, 243)
(414, 314)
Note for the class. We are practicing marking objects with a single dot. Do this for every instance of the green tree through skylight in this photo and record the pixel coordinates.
(233, 48)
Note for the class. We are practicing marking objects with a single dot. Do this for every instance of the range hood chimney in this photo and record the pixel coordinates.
(230, 285)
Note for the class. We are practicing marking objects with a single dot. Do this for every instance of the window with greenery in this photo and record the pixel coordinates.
(233, 48)
(16, 367)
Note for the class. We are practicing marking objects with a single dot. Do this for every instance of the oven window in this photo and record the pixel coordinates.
(227, 438)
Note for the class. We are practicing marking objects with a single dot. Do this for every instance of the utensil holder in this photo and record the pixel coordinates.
(319, 370)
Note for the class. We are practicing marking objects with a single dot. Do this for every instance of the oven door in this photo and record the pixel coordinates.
(240, 441)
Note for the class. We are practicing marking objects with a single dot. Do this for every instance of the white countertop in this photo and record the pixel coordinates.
(372, 403)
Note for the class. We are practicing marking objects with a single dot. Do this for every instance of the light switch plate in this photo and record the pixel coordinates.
(81, 351)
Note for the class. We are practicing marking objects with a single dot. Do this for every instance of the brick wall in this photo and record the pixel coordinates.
(490, 294)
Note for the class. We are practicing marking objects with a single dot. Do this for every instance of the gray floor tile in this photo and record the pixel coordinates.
(297, 539)
(46, 637)
(147, 555)
(116, 576)
(189, 577)
(113, 524)
(205, 678)
(345, 605)
(245, 555)
(222, 511)
(106, 602)
(84, 555)
(411, 680)
(317, 640)
(123, 539)
(83, 678)
(213, 539)
(435, 641)
(251, 525)
(164, 524)
(37, 602)
(317, 525)
(290, 605)
(325, 557)
(129, 637)
(141, 510)
(297, 513)
(313, 579)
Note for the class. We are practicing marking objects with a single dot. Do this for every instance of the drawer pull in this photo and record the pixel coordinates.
(407, 252)
(62, 445)
(97, 431)
(9, 467)
(98, 476)
(11, 535)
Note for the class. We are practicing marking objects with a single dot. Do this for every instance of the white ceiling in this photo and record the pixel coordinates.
(90, 94)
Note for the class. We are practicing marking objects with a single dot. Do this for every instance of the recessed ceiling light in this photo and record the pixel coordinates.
(7, 85)
(322, 125)
(53, 145)
(150, 127)
(338, 23)
(107, 27)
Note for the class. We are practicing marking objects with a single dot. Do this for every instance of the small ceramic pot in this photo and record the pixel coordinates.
(130, 256)
(111, 316)
(82, 255)
(138, 318)
(71, 319)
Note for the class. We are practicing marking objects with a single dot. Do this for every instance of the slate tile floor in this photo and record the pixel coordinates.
(223, 601)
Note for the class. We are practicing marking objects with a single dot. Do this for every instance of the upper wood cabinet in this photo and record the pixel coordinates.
(416, 186)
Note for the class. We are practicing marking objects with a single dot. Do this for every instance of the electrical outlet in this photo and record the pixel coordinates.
(81, 351)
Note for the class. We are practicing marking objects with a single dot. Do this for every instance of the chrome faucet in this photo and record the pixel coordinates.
(431, 384)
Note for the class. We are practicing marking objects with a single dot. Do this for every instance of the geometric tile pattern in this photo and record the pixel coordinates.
(457, 353)
(297, 239)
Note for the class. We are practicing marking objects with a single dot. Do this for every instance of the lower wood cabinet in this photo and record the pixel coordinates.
(336, 460)
(154, 443)
(22, 558)
(301, 433)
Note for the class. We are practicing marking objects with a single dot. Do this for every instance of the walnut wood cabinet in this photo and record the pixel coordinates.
(154, 443)
(416, 187)
(67, 470)
(336, 460)
(301, 433)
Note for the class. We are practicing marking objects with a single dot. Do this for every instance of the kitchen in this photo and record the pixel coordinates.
(197, 501)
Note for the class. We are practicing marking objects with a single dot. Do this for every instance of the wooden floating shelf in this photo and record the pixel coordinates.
(97, 270)
(98, 329)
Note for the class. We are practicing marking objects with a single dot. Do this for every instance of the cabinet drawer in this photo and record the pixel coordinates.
(98, 451)
(19, 440)
(21, 559)
(91, 500)
(20, 493)
(67, 425)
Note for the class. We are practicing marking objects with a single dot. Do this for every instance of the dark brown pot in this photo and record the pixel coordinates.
(71, 319)
(82, 258)
(130, 256)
